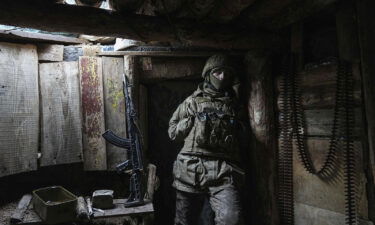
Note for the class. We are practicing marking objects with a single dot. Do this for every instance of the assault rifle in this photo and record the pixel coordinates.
(133, 147)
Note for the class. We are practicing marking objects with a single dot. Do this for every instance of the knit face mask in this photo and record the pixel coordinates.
(221, 78)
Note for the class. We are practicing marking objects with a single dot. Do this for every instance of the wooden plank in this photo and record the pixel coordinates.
(52, 53)
(152, 181)
(22, 206)
(94, 146)
(131, 70)
(307, 214)
(31, 217)
(143, 118)
(114, 105)
(38, 37)
(19, 108)
(319, 122)
(91, 50)
(321, 75)
(322, 97)
(169, 53)
(61, 130)
(99, 22)
(173, 68)
(318, 87)
(311, 190)
(121, 210)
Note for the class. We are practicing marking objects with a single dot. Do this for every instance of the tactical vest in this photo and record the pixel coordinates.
(215, 129)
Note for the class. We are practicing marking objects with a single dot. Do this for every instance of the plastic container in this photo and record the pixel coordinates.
(55, 204)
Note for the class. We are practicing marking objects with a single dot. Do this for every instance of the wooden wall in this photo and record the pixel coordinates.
(61, 135)
(79, 99)
(313, 196)
(19, 108)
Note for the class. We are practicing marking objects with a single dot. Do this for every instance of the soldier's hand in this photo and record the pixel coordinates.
(185, 125)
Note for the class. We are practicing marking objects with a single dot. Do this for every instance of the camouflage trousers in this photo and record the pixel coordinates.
(196, 178)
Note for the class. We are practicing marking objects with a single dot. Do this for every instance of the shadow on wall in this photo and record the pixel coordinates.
(164, 98)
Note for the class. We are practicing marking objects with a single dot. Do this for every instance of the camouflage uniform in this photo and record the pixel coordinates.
(209, 123)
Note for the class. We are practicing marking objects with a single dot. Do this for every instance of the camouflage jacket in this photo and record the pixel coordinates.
(209, 124)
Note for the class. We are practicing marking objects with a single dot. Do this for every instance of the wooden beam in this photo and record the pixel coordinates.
(94, 21)
(170, 68)
(263, 137)
(366, 28)
(169, 53)
(23, 36)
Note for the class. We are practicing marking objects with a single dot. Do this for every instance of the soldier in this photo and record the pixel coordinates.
(209, 123)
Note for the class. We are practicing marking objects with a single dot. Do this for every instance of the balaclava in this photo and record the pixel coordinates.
(219, 62)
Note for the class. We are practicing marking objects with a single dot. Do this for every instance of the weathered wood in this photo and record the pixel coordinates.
(320, 75)
(91, 50)
(94, 146)
(19, 108)
(169, 53)
(263, 139)
(17, 35)
(311, 190)
(322, 97)
(52, 53)
(131, 70)
(82, 212)
(152, 181)
(168, 68)
(319, 122)
(318, 86)
(307, 214)
(143, 118)
(61, 130)
(94, 21)
(366, 28)
(114, 105)
(120, 210)
(22, 206)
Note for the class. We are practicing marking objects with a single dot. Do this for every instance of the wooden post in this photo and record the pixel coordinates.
(131, 72)
(366, 28)
(263, 137)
